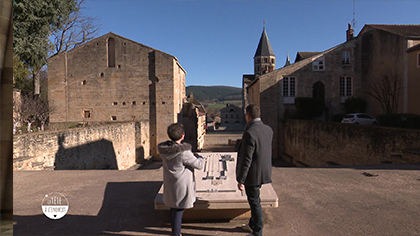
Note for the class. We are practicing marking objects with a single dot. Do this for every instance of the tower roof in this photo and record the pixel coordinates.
(287, 60)
(264, 46)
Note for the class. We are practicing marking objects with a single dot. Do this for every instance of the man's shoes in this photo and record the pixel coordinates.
(246, 228)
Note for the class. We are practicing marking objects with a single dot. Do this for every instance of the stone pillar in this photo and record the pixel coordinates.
(6, 109)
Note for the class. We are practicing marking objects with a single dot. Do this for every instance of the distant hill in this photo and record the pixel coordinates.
(215, 93)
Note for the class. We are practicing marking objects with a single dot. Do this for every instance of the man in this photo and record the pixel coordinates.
(178, 175)
(253, 167)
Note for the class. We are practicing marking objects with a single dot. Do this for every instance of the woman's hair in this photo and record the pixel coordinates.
(175, 131)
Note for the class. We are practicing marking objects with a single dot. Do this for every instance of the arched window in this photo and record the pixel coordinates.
(111, 52)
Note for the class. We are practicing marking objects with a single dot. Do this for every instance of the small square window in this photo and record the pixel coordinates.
(113, 118)
(134, 103)
(83, 82)
(318, 64)
(124, 103)
(115, 103)
(87, 114)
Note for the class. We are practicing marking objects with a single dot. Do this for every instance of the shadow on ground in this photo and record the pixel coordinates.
(127, 207)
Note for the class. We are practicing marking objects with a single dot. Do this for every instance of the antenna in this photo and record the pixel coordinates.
(354, 14)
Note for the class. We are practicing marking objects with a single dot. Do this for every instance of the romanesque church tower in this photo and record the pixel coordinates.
(264, 59)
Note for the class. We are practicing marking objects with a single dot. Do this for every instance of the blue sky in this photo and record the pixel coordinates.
(215, 41)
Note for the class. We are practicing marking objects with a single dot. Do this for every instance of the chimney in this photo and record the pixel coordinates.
(349, 32)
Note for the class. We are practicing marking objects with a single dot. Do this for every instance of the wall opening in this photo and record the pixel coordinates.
(113, 118)
(134, 103)
(84, 82)
(87, 114)
(318, 90)
(111, 52)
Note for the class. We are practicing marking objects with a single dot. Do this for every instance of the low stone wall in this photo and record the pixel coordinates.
(212, 139)
(114, 146)
(314, 143)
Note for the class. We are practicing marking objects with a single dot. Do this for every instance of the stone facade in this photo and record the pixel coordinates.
(383, 53)
(233, 117)
(347, 70)
(115, 146)
(315, 143)
(114, 79)
(413, 82)
(193, 117)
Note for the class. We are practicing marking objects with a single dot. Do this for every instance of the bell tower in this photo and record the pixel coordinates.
(264, 58)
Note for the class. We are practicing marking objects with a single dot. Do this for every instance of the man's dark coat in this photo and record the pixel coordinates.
(253, 167)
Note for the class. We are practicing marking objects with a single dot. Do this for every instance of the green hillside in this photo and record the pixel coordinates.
(215, 93)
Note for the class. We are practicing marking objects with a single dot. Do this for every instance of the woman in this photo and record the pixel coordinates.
(178, 175)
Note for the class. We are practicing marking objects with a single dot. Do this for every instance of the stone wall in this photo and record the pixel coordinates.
(114, 146)
(314, 143)
(131, 82)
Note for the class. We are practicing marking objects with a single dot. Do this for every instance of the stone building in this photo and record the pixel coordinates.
(115, 79)
(193, 117)
(347, 70)
(232, 117)
(413, 83)
(264, 62)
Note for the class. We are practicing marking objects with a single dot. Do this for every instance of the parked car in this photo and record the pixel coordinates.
(359, 118)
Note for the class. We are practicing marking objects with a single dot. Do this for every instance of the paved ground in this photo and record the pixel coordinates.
(360, 200)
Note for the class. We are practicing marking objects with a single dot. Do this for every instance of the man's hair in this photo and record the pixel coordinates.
(253, 111)
(175, 131)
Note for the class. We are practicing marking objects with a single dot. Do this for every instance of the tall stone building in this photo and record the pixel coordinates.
(264, 62)
(114, 79)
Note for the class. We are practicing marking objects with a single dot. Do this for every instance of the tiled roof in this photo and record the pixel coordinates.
(248, 78)
(403, 30)
(414, 48)
(303, 55)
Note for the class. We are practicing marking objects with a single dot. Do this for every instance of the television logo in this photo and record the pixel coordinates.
(55, 205)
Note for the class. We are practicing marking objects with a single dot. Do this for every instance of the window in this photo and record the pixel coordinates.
(111, 52)
(345, 57)
(115, 103)
(134, 103)
(418, 59)
(289, 87)
(272, 61)
(345, 86)
(265, 60)
(84, 82)
(113, 118)
(318, 64)
(87, 114)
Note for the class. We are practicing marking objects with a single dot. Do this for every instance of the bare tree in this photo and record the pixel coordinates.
(17, 106)
(28, 110)
(76, 30)
(387, 91)
(42, 112)
(32, 109)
